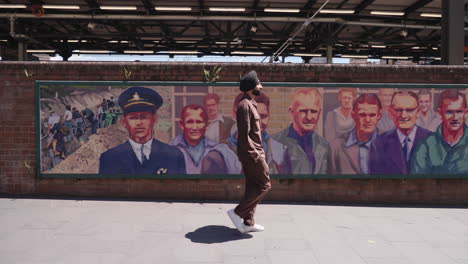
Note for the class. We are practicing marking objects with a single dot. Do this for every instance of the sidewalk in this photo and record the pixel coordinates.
(34, 231)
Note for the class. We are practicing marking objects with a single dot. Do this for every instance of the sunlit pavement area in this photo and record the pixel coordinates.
(94, 231)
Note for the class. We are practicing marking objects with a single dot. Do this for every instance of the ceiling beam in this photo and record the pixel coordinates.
(417, 5)
(121, 29)
(308, 6)
(201, 6)
(122, 36)
(342, 3)
(149, 7)
(365, 3)
(93, 5)
(237, 28)
(217, 27)
(289, 30)
(269, 28)
(192, 23)
(325, 34)
(369, 32)
(255, 5)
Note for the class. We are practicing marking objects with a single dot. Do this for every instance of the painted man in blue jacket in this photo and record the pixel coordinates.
(141, 153)
(391, 151)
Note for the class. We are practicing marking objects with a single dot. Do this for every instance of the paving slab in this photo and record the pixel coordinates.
(54, 231)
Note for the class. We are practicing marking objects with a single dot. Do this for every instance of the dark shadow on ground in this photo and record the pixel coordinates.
(215, 234)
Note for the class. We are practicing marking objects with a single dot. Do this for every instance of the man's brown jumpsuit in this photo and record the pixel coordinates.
(252, 157)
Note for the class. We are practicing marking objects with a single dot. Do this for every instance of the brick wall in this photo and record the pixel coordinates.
(18, 134)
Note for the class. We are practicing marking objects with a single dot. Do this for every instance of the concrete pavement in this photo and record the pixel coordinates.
(52, 231)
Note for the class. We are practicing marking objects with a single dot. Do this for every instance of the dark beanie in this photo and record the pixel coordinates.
(249, 81)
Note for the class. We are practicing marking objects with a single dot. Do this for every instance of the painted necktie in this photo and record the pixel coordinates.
(406, 148)
(143, 157)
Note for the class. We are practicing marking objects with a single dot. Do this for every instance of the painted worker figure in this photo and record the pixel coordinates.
(386, 122)
(88, 118)
(445, 152)
(219, 126)
(202, 155)
(251, 155)
(68, 117)
(307, 149)
(349, 153)
(52, 120)
(141, 153)
(427, 117)
(339, 121)
(277, 155)
(391, 151)
(59, 131)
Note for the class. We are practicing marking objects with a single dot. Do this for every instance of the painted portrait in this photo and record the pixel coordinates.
(151, 129)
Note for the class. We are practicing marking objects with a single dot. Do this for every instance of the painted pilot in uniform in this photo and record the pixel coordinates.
(141, 153)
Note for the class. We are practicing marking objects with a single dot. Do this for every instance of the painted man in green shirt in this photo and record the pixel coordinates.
(446, 151)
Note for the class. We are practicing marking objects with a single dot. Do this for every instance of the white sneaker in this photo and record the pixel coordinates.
(253, 228)
(236, 220)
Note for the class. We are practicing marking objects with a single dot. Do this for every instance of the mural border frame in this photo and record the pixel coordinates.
(41, 175)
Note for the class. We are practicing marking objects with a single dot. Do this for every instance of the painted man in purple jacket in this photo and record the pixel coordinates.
(391, 151)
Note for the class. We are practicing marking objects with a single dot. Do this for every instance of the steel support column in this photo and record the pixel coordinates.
(22, 54)
(329, 54)
(453, 35)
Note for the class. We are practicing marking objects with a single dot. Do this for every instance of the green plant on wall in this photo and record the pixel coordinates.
(27, 166)
(213, 74)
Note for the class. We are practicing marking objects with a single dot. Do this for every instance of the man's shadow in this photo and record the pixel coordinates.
(215, 234)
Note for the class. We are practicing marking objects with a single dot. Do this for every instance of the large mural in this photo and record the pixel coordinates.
(99, 129)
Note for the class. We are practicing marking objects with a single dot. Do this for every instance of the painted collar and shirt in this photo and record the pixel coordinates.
(391, 151)
(141, 148)
(196, 152)
(305, 142)
(194, 155)
(300, 162)
(53, 119)
(364, 148)
(127, 159)
(219, 129)
(67, 116)
(337, 124)
(435, 155)
(407, 142)
(212, 130)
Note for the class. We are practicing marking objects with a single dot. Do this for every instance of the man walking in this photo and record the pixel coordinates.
(251, 155)
(277, 155)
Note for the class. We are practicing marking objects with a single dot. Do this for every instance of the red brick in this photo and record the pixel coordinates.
(20, 127)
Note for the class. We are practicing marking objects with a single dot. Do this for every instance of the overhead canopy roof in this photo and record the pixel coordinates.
(249, 30)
